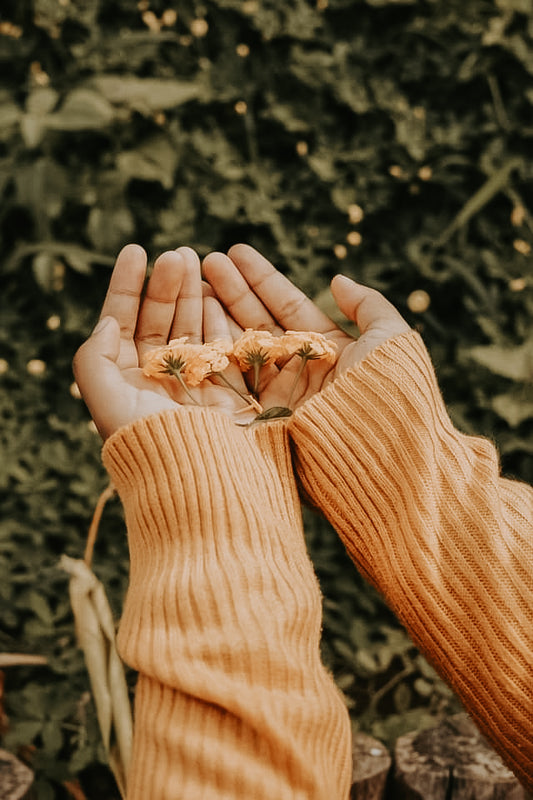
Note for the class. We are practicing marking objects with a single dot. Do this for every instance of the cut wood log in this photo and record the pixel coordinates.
(451, 762)
(371, 766)
(15, 777)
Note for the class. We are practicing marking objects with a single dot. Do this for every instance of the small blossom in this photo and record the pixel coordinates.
(53, 322)
(425, 173)
(522, 246)
(169, 17)
(256, 348)
(194, 362)
(356, 213)
(308, 345)
(518, 215)
(354, 238)
(340, 251)
(36, 366)
(199, 27)
(4, 366)
(396, 171)
(212, 357)
(418, 301)
(517, 284)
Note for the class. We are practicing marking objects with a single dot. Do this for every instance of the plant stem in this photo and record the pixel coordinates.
(247, 399)
(185, 388)
(257, 370)
(297, 378)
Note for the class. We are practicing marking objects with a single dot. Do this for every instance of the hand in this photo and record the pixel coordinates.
(256, 295)
(108, 366)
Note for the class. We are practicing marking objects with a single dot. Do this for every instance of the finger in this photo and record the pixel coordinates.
(215, 321)
(207, 290)
(234, 330)
(367, 307)
(287, 304)
(123, 298)
(188, 315)
(125, 288)
(216, 326)
(159, 303)
(98, 375)
(236, 295)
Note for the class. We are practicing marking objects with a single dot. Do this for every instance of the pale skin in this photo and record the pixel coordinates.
(243, 290)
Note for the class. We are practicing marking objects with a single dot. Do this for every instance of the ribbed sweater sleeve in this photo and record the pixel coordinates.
(222, 617)
(426, 516)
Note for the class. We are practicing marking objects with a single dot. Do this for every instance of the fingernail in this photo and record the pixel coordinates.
(344, 279)
(101, 325)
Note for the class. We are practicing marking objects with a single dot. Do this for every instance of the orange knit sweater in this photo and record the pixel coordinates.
(427, 518)
(222, 617)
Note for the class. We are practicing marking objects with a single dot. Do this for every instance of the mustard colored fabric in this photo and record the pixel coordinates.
(426, 516)
(222, 618)
(223, 613)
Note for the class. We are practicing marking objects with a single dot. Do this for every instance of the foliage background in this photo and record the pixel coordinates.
(388, 139)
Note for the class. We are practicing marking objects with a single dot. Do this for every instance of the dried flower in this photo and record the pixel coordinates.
(308, 345)
(210, 358)
(256, 347)
(193, 362)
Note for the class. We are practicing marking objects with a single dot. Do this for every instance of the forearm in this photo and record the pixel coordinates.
(426, 516)
(222, 617)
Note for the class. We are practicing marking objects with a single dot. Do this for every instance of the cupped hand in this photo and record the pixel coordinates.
(256, 295)
(108, 366)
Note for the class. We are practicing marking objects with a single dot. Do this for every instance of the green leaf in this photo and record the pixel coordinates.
(423, 688)
(145, 95)
(155, 160)
(402, 698)
(83, 109)
(274, 413)
(9, 112)
(41, 101)
(52, 738)
(43, 270)
(515, 363)
(514, 406)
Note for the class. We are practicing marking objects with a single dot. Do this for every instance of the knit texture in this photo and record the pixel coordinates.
(429, 521)
(222, 617)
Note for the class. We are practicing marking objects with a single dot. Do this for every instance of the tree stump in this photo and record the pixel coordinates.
(451, 762)
(15, 777)
(371, 765)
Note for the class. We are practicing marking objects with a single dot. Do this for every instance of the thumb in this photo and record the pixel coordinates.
(367, 307)
(96, 368)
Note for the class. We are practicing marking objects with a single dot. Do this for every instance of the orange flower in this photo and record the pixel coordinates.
(168, 359)
(192, 362)
(255, 349)
(308, 345)
(211, 357)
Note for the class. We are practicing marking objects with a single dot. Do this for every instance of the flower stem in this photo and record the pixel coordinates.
(297, 378)
(251, 401)
(257, 370)
(185, 388)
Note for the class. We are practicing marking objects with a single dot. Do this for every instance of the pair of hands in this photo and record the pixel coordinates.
(240, 290)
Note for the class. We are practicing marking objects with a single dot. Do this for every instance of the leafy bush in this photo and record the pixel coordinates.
(387, 139)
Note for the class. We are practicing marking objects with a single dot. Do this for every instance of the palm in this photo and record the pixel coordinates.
(277, 385)
(256, 295)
